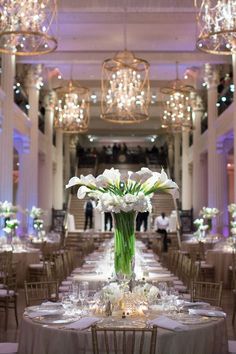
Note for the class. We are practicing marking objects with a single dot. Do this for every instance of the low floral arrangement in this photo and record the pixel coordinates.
(11, 225)
(7, 209)
(124, 195)
(122, 299)
(232, 239)
(200, 234)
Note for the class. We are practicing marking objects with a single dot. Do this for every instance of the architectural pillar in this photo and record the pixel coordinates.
(67, 164)
(6, 134)
(32, 84)
(186, 178)
(170, 154)
(177, 158)
(198, 110)
(217, 167)
(45, 199)
(58, 173)
(22, 145)
(234, 121)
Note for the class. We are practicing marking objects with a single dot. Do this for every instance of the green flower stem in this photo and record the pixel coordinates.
(124, 242)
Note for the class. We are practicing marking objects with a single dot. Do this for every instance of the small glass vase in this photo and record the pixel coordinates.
(124, 232)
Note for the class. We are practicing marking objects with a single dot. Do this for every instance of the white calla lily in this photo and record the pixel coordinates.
(82, 191)
(73, 182)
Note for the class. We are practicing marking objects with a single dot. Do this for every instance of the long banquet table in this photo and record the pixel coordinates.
(201, 335)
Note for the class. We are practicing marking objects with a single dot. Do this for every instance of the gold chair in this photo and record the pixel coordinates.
(37, 292)
(209, 292)
(8, 292)
(124, 340)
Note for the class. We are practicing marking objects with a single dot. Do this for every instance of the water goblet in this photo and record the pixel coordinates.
(83, 291)
(66, 304)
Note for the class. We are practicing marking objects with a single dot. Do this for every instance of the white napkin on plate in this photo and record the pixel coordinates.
(39, 313)
(195, 304)
(168, 323)
(51, 304)
(205, 312)
(83, 323)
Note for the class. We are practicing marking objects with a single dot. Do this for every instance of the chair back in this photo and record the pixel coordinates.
(206, 291)
(37, 292)
(124, 340)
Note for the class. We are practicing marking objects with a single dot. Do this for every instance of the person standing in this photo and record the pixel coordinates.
(88, 208)
(161, 226)
(108, 221)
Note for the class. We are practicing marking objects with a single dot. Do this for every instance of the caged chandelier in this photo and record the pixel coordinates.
(25, 26)
(217, 26)
(72, 109)
(177, 113)
(125, 89)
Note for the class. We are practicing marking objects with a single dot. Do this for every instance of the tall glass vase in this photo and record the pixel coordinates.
(124, 230)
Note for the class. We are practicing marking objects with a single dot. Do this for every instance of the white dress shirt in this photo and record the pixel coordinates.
(161, 223)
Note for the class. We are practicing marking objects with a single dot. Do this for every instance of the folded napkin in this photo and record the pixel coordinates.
(39, 313)
(83, 323)
(195, 304)
(208, 313)
(167, 323)
(51, 304)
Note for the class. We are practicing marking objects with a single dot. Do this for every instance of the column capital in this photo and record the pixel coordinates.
(33, 78)
(197, 102)
(49, 100)
(211, 75)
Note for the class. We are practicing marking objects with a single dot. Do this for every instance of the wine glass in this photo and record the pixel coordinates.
(83, 292)
(66, 304)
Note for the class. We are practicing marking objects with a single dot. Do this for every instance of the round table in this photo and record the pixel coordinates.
(221, 260)
(206, 338)
(192, 245)
(23, 259)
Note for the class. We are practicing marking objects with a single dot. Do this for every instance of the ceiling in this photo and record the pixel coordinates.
(90, 31)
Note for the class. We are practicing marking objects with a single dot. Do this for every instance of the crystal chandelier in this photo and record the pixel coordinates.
(177, 114)
(217, 26)
(25, 26)
(72, 109)
(125, 89)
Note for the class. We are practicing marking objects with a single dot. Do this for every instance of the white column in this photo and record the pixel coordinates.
(23, 149)
(198, 110)
(32, 83)
(234, 121)
(217, 168)
(177, 158)
(170, 154)
(58, 174)
(6, 134)
(45, 199)
(186, 178)
(67, 158)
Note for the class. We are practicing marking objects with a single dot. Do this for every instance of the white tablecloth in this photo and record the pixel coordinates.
(209, 338)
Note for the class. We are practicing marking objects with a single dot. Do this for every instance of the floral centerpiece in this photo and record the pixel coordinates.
(11, 226)
(200, 234)
(124, 195)
(36, 214)
(7, 209)
(208, 214)
(232, 238)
